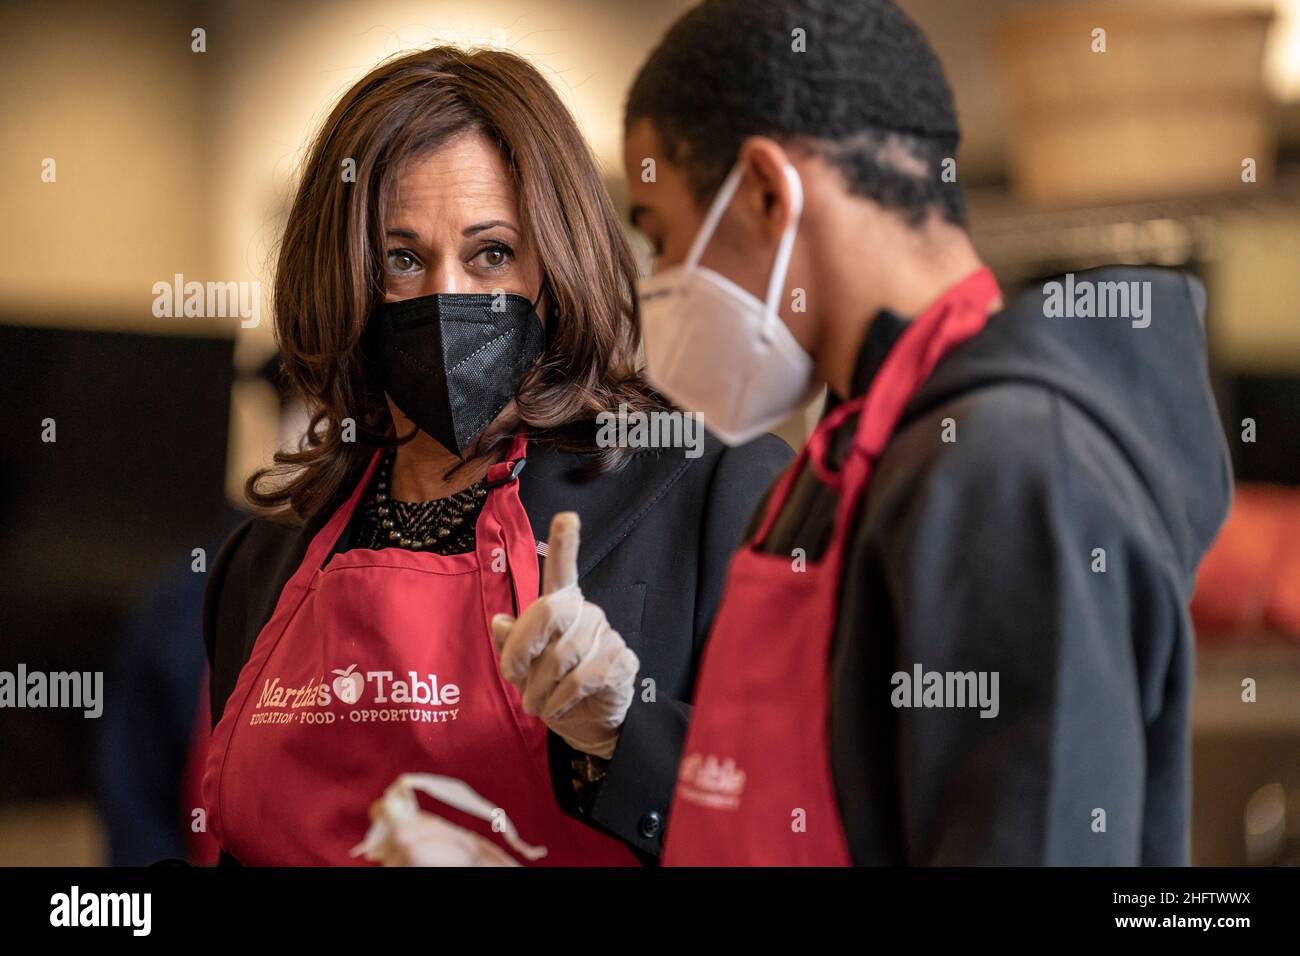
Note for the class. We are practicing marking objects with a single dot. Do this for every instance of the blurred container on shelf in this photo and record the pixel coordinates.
(1172, 107)
(1249, 582)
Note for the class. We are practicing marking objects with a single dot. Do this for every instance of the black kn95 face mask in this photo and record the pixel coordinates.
(452, 361)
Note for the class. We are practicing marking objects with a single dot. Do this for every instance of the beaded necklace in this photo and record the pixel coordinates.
(444, 525)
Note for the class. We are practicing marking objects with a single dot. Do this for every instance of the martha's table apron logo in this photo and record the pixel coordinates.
(710, 781)
(366, 696)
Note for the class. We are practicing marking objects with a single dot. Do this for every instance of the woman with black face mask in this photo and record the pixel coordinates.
(454, 299)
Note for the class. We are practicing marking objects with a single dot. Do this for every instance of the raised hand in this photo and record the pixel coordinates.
(573, 670)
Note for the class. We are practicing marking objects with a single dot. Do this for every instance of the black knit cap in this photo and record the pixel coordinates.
(728, 69)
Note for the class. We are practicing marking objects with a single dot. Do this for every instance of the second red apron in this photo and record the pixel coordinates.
(755, 786)
(379, 663)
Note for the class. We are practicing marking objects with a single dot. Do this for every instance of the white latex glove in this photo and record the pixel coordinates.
(573, 670)
(402, 834)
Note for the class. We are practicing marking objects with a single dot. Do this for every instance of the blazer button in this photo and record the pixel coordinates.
(651, 824)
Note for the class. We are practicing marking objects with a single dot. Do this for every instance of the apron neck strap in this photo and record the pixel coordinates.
(508, 468)
(957, 315)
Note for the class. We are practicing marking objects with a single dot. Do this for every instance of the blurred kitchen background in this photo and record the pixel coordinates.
(170, 161)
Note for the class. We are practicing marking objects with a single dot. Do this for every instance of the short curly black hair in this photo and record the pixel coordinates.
(866, 92)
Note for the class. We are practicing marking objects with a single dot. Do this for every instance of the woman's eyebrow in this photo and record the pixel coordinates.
(404, 234)
(481, 226)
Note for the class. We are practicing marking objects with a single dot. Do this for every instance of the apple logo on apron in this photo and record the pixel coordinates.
(347, 685)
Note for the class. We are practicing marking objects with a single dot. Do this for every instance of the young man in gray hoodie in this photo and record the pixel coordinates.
(1034, 521)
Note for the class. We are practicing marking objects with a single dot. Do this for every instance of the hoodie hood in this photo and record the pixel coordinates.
(1127, 347)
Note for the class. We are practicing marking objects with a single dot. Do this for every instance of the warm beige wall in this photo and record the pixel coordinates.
(113, 94)
(172, 161)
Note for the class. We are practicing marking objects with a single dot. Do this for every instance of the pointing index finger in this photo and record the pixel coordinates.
(561, 553)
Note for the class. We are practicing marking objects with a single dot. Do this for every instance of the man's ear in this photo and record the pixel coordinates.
(767, 186)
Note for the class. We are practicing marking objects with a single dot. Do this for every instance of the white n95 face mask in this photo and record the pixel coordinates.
(713, 347)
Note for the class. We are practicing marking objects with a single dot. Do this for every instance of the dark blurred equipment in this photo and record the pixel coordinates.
(154, 686)
(132, 484)
(1272, 403)
(153, 743)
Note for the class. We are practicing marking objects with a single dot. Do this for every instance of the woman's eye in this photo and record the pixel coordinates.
(402, 261)
(495, 256)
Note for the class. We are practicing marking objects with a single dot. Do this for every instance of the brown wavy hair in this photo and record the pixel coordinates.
(329, 274)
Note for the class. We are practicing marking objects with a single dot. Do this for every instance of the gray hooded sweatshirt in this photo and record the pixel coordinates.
(1026, 550)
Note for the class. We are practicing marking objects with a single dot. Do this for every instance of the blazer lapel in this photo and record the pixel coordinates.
(610, 506)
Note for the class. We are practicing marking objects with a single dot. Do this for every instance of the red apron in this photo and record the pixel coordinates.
(381, 663)
(755, 786)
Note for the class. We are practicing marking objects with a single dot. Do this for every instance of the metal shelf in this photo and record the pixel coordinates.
(1021, 242)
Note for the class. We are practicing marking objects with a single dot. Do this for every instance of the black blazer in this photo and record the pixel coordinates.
(656, 541)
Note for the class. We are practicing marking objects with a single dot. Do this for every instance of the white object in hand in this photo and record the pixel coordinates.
(402, 834)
